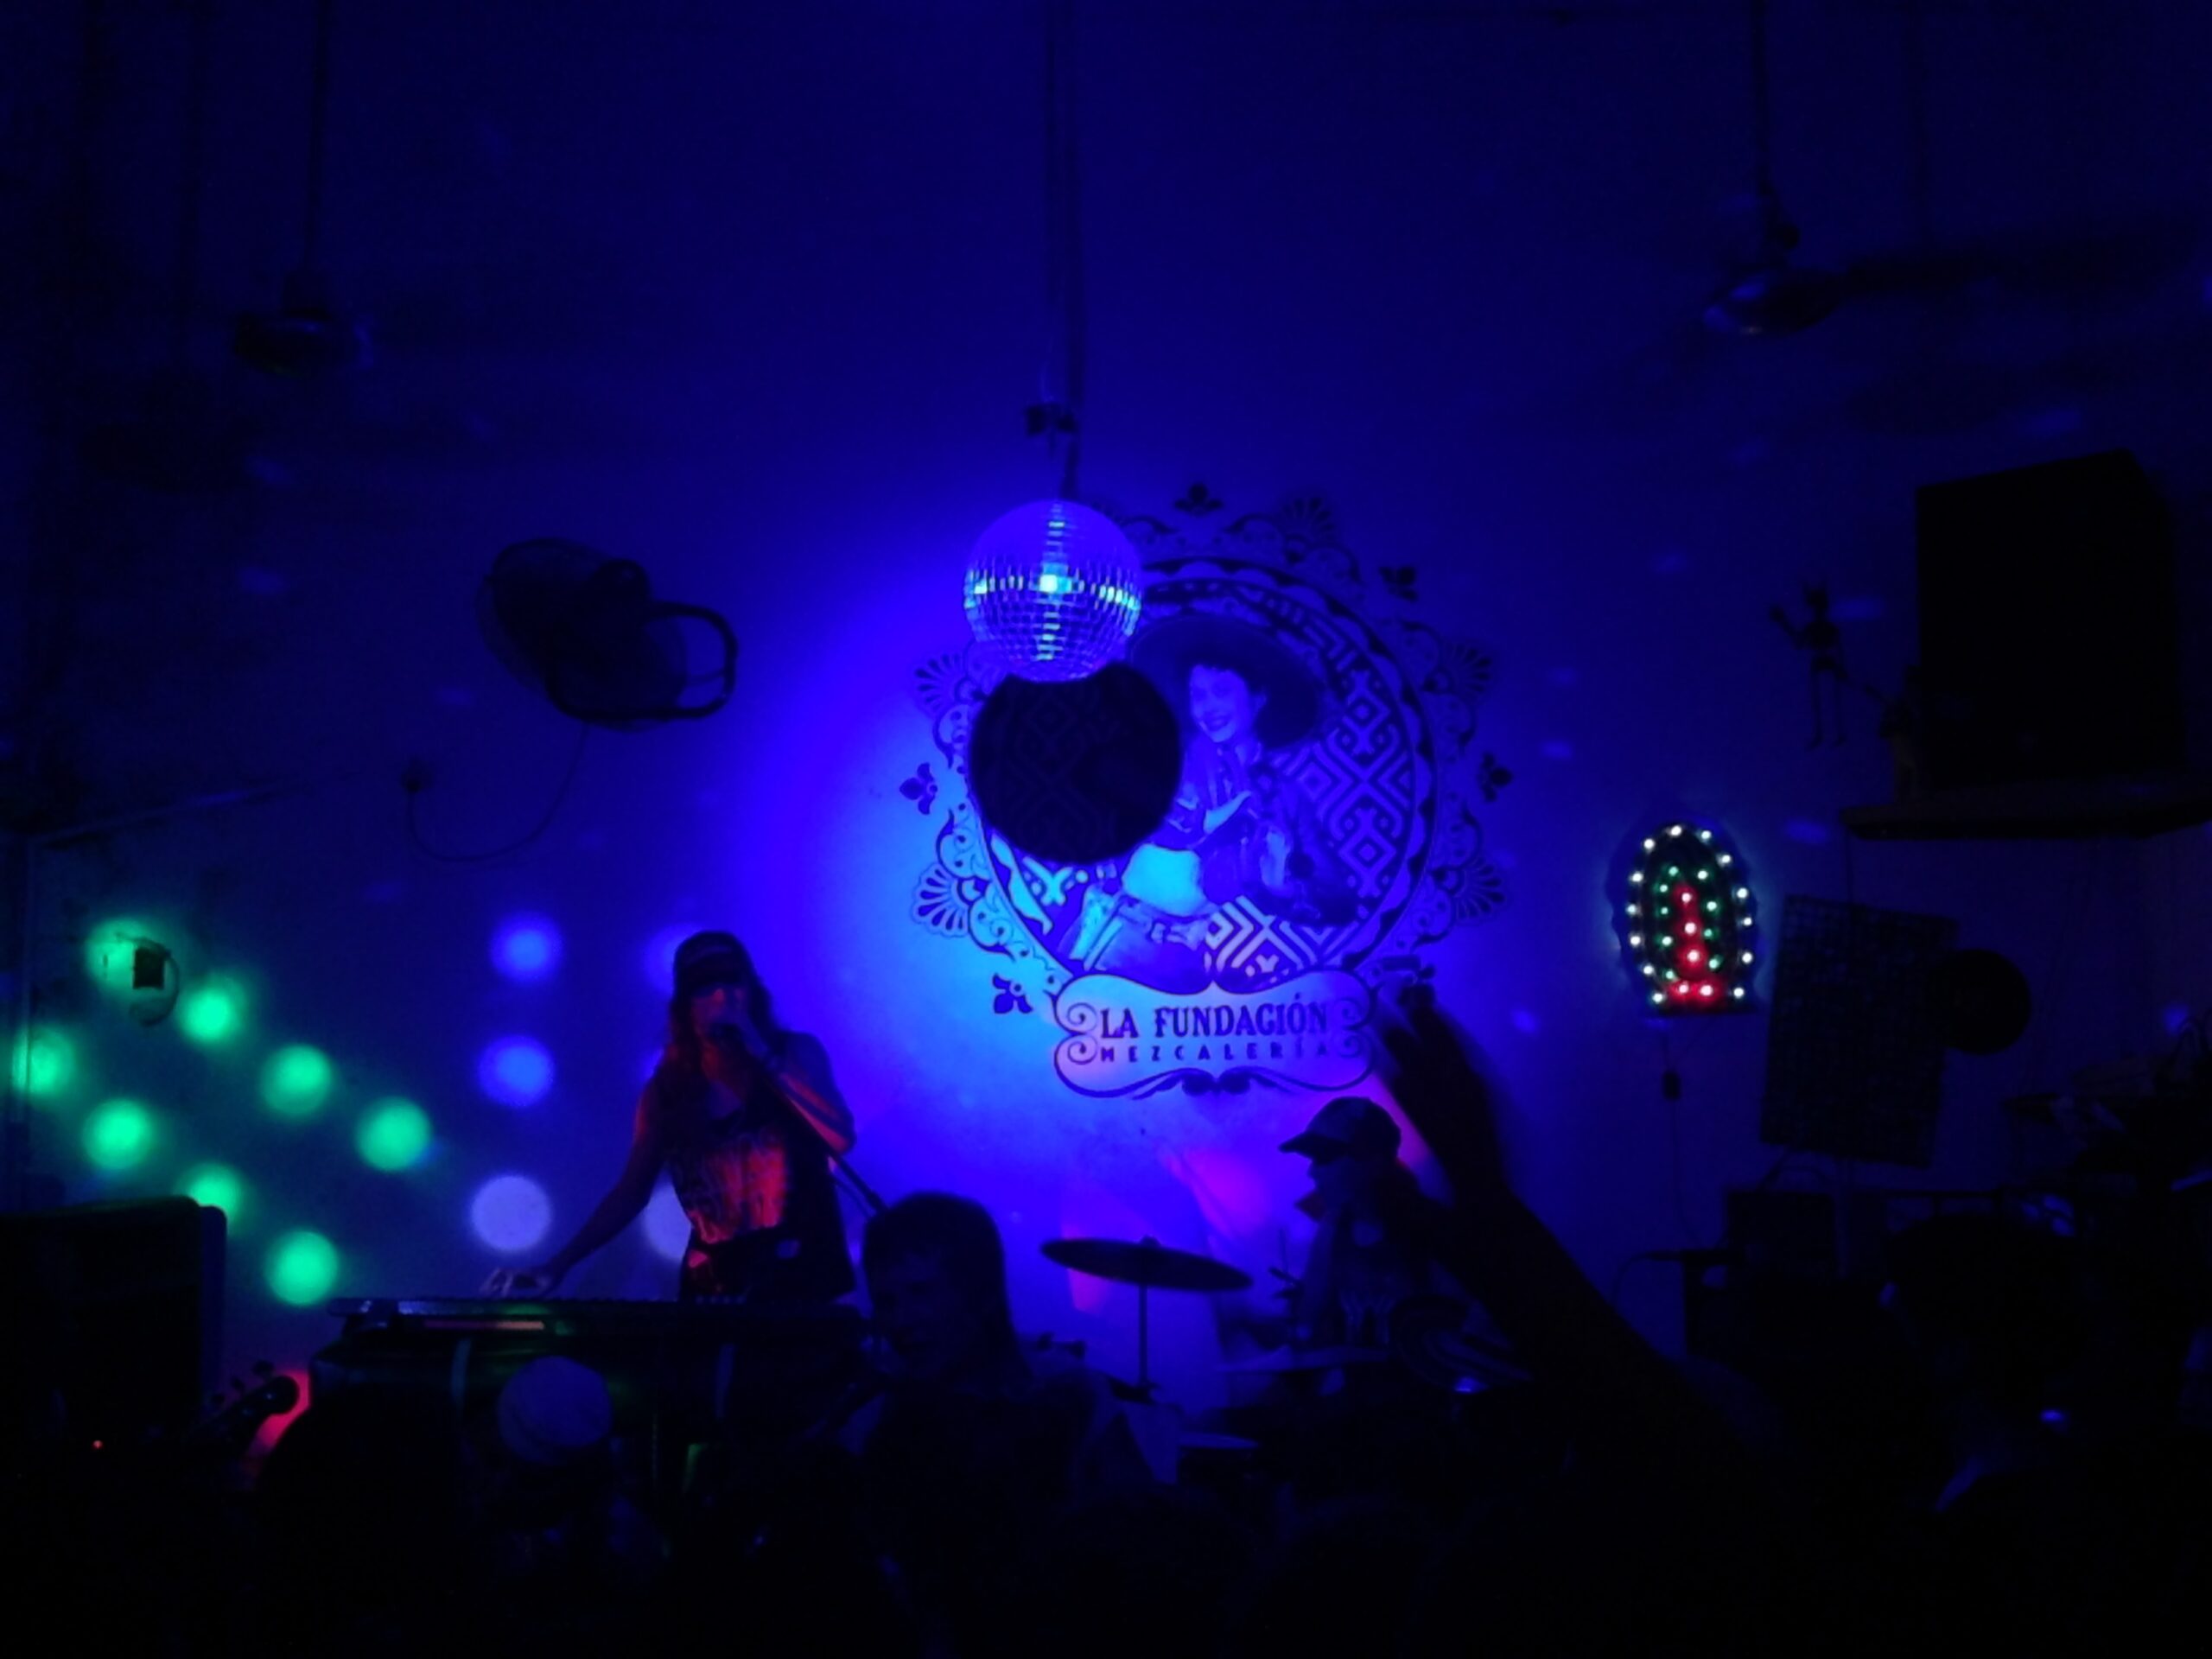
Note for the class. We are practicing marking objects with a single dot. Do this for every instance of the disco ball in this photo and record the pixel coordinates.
(1052, 589)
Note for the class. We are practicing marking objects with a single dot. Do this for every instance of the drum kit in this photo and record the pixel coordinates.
(1433, 1339)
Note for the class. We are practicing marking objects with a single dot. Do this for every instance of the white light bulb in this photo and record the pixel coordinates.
(1738, 991)
(1705, 834)
(1743, 892)
(1635, 939)
(1658, 997)
(1636, 875)
(1674, 829)
(1649, 969)
(1649, 843)
(1725, 858)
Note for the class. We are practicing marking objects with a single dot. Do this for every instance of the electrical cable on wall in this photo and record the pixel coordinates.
(417, 778)
(1065, 359)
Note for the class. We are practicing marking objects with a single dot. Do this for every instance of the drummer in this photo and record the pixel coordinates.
(1359, 1267)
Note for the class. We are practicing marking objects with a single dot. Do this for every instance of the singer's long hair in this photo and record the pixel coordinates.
(682, 1065)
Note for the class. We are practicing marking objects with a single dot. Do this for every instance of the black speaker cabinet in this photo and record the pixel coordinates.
(2048, 639)
(114, 1317)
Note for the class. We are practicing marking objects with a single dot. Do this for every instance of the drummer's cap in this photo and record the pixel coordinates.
(710, 958)
(1348, 1123)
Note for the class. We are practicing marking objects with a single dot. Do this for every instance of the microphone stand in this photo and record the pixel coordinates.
(869, 1195)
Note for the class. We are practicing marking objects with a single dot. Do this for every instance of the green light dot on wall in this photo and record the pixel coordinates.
(300, 1267)
(45, 1063)
(217, 1185)
(210, 1012)
(296, 1081)
(118, 1135)
(393, 1135)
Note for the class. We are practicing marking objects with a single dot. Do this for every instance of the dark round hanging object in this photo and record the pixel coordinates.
(1981, 1001)
(1076, 771)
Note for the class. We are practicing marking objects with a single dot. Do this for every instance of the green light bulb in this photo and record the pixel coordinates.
(296, 1081)
(300, 1267)
(393, 1135)
(118, 1135)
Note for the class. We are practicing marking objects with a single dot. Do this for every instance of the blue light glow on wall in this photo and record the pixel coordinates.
(668, 1230)
(658, 959)
(515, 1071)
(526, 947)
(511, 1212)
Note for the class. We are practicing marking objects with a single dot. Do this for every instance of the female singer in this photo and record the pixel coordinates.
(745, 1117)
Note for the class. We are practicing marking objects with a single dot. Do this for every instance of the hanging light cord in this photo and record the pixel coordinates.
(1777, 235)
(1061, 413)
(184, 294)
(318, 120)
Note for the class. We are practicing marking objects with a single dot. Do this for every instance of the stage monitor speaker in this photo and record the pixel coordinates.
(2048, 639)
(115, 1315)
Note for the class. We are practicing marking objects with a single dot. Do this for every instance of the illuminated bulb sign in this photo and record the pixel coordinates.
(1685, 921)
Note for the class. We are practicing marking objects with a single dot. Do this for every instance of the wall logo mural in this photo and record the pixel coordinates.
(1324, 831)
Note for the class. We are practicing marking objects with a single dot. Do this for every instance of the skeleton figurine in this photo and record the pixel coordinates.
(1823, 641)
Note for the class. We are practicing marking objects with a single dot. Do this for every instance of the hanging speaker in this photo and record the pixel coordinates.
(2047, 640)
(1076, 771)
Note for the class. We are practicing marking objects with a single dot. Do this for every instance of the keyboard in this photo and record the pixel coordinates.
(706, 1319)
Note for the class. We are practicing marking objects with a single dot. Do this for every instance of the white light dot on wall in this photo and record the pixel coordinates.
(511, 1212)
(668, 1230)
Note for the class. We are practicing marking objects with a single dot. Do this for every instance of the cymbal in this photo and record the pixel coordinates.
(1149, 1263)
(1284, 1361)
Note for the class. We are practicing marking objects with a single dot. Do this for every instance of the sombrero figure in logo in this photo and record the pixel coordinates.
(1242, 827)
